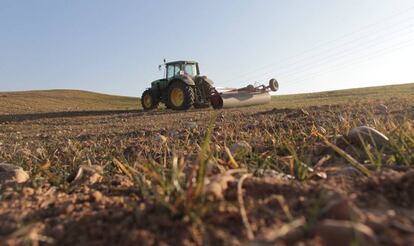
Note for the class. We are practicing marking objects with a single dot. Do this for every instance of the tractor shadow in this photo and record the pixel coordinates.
(51, 115)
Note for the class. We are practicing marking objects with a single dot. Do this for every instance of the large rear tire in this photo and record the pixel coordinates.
(148, 100)
(206, 90)
(180, 96)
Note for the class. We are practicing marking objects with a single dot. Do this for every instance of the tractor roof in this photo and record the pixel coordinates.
(181, 62)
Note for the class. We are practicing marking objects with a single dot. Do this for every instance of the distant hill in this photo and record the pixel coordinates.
(62, 100)
(27, 102)
(380, 93)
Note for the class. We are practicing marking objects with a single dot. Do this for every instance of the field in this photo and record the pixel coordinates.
(288, 173)
(47, 101)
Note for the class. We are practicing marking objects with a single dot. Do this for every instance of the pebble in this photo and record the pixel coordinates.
(27, 191)
(91, 174)
(10, 173)
(340, 208)
(160, 138)
(269, 173)
(70, 208)
(241, 147)
(347, 172)
(368, 135)
(382, 108)
(191, 125)
(97, 196)
(217, 185)
(322, 130)
(336, 232)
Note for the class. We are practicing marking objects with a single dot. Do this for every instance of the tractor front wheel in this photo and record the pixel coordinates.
(180, 96)
(148, 100)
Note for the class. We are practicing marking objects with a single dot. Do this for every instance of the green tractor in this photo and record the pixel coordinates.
(182, 88)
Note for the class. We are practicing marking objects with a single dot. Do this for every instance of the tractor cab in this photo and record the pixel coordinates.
(176, 68)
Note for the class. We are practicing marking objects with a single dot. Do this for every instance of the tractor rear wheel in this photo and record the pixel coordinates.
(148, 100)
(206, 90)
(180, 96)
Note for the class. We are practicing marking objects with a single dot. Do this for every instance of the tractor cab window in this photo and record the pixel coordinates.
(190, 69)
(170, 71)
(173, 70)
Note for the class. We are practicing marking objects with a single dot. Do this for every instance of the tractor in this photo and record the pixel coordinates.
(182, 88)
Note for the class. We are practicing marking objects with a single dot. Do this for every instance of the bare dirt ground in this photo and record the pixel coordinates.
(259, 176)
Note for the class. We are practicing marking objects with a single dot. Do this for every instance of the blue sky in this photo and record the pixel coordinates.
(116, 46)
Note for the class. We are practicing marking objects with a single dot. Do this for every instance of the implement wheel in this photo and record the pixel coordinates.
(148, 100)
(180, 96)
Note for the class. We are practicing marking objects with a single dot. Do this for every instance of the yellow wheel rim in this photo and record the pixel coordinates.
(177, 97)
(147, 101)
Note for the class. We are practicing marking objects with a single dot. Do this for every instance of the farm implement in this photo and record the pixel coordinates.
(183, 87)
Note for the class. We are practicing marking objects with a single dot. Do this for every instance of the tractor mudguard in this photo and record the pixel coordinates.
(183, 78)
(205, 79)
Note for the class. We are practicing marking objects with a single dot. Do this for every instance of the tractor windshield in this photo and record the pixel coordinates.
(190, 69)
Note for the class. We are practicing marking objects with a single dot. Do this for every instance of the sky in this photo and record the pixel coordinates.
(115, 47)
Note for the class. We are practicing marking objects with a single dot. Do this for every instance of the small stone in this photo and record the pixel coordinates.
(191, 125)
(90, 174)
(340, 208)
(346, 172)
(270, 173)
(160, 138)
(241, 147)
(121, 180)
(303, 111)
(70, 208)
(335, 232)
(382, 108)
(217, 185)
(322, 130)
(368, 135)
(173, 133)
(97, 196)
(27, 191)
(10, 173)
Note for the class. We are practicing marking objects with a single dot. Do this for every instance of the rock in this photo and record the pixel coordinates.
(340, 208)
(304, 112)
(12, 174)
(173, 133)
(89, 174)
(191, 125)
(269, 173)
(97, 196)
(346, 172)
(131, 152)
(341, 119)
(382, 108)
(368, 135)
(27, 191)
(121, 180)
(335, 232)
(70, 208)
(322, 130)
(160, 138)
(241, 147)
(217, 185)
